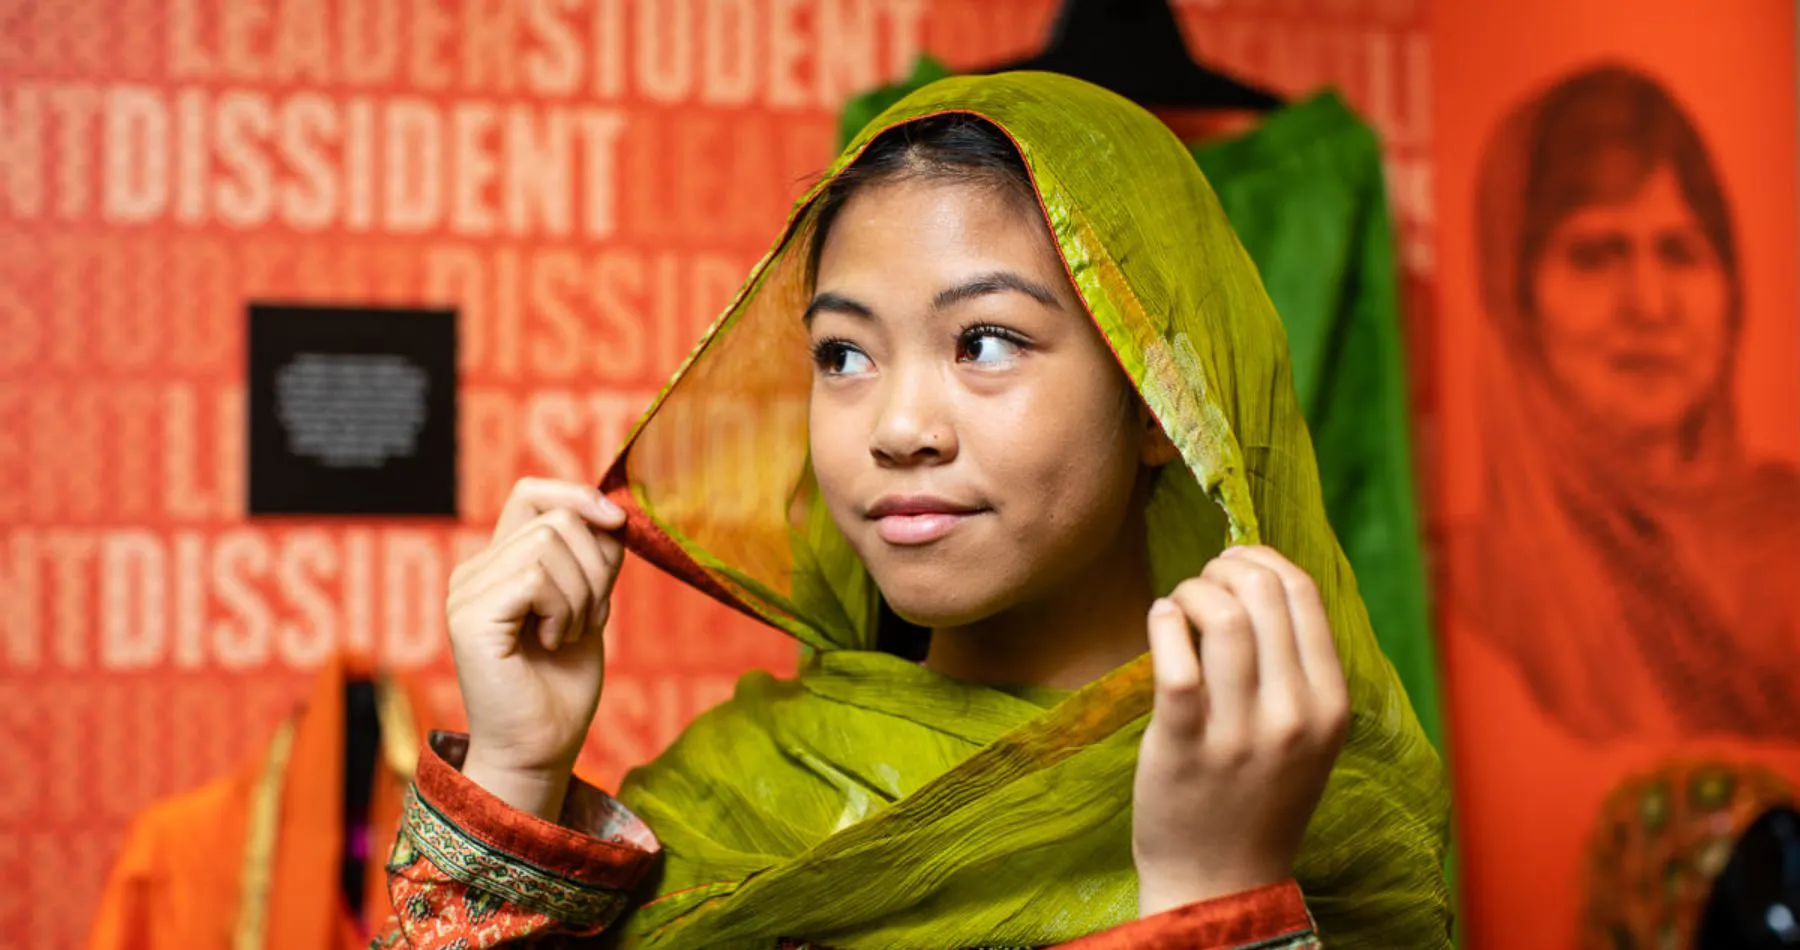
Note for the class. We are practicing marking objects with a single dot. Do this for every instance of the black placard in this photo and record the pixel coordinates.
(352, 410)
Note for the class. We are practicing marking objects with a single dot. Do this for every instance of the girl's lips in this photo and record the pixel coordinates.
(921, 528)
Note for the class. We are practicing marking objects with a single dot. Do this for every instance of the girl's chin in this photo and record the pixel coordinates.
(944, 600)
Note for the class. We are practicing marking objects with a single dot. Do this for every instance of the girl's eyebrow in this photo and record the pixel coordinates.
(994, 283)
(829, 302)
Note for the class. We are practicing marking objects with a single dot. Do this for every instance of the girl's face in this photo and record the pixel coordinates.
(1633, 310)
(972, 434)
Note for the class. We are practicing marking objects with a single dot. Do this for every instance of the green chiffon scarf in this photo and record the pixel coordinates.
(870, 803)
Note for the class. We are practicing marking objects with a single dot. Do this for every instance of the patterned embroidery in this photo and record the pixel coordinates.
(418, 907)
(452, 928)
(388, 940)
(484, 905)
(402, 855)
(1660, 840)
(485, 869)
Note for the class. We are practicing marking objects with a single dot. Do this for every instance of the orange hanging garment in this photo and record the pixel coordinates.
(252, 860)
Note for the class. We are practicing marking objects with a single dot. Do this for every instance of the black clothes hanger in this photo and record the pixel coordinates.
(1755, 902)
(362, 745)
(1134, 48)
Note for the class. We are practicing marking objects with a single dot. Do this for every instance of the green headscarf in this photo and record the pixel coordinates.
(871, 803)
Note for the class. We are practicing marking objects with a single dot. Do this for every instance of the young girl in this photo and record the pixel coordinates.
(1005, 379)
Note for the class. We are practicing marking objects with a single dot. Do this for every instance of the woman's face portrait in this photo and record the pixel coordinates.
(1632, 308)
(972, 434)
(1629, 534)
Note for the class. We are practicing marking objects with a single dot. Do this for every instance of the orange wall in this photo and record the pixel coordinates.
(1530, 785)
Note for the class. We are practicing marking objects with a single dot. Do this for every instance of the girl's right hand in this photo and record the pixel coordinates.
(526, 617)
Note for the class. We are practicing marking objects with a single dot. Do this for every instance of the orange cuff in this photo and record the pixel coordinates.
(1267, 918)
(598, 853)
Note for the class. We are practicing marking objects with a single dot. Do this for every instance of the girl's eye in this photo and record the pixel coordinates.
(840, 358)
(988, 346)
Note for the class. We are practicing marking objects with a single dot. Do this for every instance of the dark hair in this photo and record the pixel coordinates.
(956, 147)
(1597, 136)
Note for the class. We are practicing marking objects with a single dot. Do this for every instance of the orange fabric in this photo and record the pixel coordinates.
(643, 538)
(176, 883)
(597, 841)
(576, 875)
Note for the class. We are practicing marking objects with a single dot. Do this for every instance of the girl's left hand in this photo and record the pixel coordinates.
(1243, 734)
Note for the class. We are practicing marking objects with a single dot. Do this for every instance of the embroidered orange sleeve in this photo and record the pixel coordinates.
(468, 872)
(1268, 918)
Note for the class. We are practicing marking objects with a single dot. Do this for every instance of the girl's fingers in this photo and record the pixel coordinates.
(597, 557)
(518, 597)
(540, 548)
(1264, 596)
(1227, 658)
(1317, 650)
(1180, 688)
(557, 614)
(532, 497)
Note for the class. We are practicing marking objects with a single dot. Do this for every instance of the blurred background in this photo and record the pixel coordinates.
(292, 291)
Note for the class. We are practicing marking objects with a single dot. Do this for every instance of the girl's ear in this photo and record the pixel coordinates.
(1157, 450)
